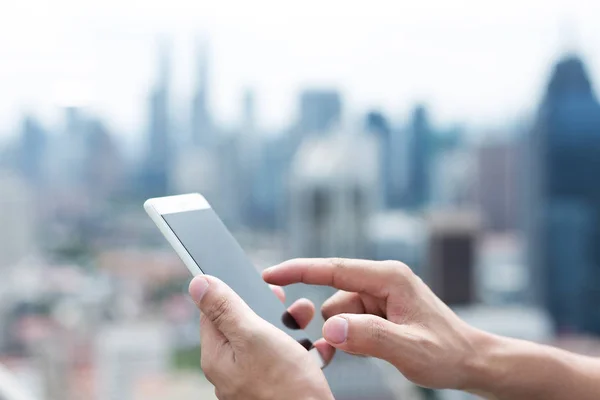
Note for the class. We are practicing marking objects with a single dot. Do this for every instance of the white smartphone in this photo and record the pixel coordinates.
(206, 246)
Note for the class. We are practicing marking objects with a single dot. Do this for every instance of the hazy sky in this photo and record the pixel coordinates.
(475, 61)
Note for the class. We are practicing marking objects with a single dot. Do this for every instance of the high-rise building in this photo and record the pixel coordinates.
(333, 189)
(396, 235)
(497, 186)
(320, 110)
(564, 199)
(31, 150)
(453, 177)
(247, 172)
(203, 133)
(104, 166)
(269, 188)
(420, 154)
(451, 255)
(393, 159)
(158, 162)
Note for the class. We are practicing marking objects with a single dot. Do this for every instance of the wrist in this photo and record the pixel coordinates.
(479, 371)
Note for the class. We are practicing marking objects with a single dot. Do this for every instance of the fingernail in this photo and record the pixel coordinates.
(198, 288)
(335, 330)
(289, 321)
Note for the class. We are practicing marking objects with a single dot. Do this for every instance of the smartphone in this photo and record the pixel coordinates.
(206, 246)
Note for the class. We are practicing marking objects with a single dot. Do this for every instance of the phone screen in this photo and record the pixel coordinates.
(217, 253)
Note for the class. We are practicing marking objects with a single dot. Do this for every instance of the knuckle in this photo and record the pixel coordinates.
(399, 269)
(339, 266)
(338, 263)
(377, 330)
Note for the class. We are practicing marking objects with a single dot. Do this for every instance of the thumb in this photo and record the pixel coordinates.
(226, 311)
(363, 334)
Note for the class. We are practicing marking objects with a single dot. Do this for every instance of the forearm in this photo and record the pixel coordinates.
(515, 369)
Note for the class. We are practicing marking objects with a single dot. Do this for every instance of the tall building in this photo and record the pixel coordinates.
(453, 175)
(564, 199)
(420, 154)
(31, 150)
(497, 187)
(250, 148)
(393, 159)
(203, 133)
(320, 110)
(269, 188)
(396, 235)
(158, 162)
(451, 255)
(333, 189)
(104, 166)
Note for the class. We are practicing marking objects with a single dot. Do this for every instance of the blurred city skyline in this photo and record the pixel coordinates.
(384, 56)
(314, 130)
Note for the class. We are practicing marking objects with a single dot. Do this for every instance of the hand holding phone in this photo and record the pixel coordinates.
(206, 247)
(247, 358)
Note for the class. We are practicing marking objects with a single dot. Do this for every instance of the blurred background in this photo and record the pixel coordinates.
(462, 138)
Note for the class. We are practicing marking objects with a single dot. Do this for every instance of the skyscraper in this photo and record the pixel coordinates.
(333, 190)
(104, 166)
(31, 150)
(320, 110)
(497, 172)
(158, 161)
(393, 159)
(202, 128)
(564, 202)
(420, 158)
(451, 255)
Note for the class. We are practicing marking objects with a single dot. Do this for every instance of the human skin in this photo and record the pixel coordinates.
(382, 309)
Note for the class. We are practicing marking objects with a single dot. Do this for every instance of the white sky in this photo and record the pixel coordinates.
(475, 61)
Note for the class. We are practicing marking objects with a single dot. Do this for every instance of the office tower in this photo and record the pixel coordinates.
(158, 162)
(452, 179)
(396, 235)
(17, 219)
(320, 110)
(420, 156)
(104, 167)
(246, 165)
(393, 159)
(68, 152)
(497, 186)
(32, 150)
(451, 255)
(203, 133)
(502, 274)
(270, 185)
(333, 189)
(564, 199)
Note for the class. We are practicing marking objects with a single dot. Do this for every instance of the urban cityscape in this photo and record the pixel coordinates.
(504, 226)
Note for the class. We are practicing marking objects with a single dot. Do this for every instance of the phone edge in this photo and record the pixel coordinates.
(168, 234)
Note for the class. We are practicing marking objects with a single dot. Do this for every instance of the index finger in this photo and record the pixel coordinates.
(361, 276)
